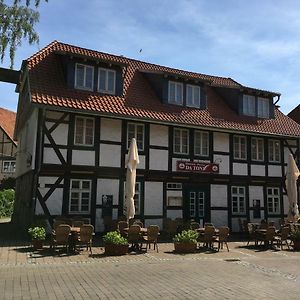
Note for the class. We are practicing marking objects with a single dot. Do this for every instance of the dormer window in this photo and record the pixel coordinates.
(192, 95)
(84, 77)
(175, 95)
(263, 110)
(249, 105)
(106, 81)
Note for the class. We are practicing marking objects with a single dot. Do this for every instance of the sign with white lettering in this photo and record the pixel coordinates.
(197, 167)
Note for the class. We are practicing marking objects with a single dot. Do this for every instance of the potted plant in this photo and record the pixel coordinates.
(186, 241)
(115, 244)
(38, 235)
(295, 237)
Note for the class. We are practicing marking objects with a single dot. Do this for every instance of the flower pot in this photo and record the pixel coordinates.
(114, 250)
(296, 245)
(185, 247)
(37, 244)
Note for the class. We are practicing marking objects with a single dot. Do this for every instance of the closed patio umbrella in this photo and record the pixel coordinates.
(132, 162)
(292, 175)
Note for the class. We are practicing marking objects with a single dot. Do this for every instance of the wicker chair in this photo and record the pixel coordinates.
(86, 236)
(223, 238)
(283, 237)
(208, 238)
(267, 238)
(121, 228)
(252, 236)
(61, 236)
(194, 225)
(77, 223)
(138, 222)
(152, 236)
(134, 236)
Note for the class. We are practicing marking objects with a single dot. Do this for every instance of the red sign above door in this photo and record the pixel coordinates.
(191, 166)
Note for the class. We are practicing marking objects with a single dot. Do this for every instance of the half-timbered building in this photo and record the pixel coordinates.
(210, 148)
(8, 146)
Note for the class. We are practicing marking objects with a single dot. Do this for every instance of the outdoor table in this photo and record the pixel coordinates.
(73, 238)
(202, 229)
(143, 230)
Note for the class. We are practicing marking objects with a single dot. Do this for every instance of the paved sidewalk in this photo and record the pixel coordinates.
(242, 273)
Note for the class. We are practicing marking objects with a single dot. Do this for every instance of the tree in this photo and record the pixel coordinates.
(17, 22)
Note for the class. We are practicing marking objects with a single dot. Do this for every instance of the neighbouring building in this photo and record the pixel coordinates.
(295, 114)
(8, 146)
(210, 148)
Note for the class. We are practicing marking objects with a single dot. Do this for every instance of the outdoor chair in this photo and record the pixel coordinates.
(121, 228)
(268, 237)
(151, 237)
(223, 237)
(134, 236)
(58, 222)
(86, 236)
(252, 236)
(194, 225)
(208, 238)
(138, 222)
(208, 224)
(263, 224)
(61, 236)
(283, 237)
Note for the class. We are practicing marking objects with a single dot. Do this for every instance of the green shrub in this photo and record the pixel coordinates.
(7, 198)
(115, 238)
(187, 236)
(37, 233)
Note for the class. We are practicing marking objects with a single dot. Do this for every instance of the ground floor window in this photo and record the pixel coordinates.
(238, 197)
(273, 200)
(9, 166)
(137, 197)
(80, 196)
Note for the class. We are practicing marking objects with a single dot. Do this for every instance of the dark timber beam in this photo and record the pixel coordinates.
(10, 76)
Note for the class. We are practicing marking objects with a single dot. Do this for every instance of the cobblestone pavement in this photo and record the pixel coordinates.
(242, 273)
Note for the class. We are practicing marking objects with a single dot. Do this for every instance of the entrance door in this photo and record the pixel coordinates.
(196, 204)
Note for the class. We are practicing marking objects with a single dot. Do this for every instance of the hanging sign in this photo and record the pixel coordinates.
(197, 167)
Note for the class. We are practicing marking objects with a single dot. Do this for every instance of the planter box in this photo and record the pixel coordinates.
(185, 247)
(37, 244)
(114, 250)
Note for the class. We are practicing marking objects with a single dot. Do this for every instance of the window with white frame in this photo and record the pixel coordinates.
(137, 197)
(175, 95)
(181, 141)
(84, 77)
(263, 110)
(257, 149)
(238, 200)
(9, 166)
(273, 200)
(84, 131)
(201, 143)
(137, 131)
(106, 81)
(80, 196)
(239, 147)
(192, 95)
(249, 105)
(274, 150)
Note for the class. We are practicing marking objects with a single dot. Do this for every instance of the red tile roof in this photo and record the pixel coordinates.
(48, 87)
(7, 122)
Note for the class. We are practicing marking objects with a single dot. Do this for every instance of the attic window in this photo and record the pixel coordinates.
(263, 107)
(249, 105)
(84, 76)
(106, 81)
(192, 95)
(175, 95)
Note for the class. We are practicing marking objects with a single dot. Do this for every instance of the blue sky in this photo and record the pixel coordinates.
(254, 42)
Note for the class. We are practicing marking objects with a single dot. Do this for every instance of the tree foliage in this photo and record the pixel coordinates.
(7, 198)
(17, 22)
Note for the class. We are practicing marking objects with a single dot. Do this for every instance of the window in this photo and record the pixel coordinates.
(274, 151)
(80, 196)
(106, 81)
(239, 147)
(192, 95)
(201, 143)
(137, 197)
(84, 131)
(238, 200)
(174, 201)
(249, 105)
(273, 200)
(174, 186)
(135, 131)
(181, 141)
(9, 166)
(257, 149)
(84, 77)
(175, 95)
(263, 107)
